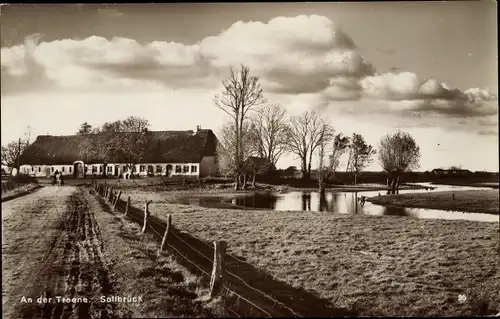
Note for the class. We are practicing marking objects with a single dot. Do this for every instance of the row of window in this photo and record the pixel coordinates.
(63, 169)
(178, 168)
(142, 168)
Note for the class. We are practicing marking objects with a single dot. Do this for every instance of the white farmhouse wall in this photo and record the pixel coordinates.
(193, 169)
(46, 170)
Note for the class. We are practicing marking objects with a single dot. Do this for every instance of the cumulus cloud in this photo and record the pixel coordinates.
(407, 92)
(20, 70)
(293, 56)
(97, 62)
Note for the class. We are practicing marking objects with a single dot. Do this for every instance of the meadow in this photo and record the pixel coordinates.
(375, 265)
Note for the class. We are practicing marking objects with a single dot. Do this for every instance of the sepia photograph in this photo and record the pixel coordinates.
(226, 160)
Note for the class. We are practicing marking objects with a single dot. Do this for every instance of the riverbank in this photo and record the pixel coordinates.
(156, 184)
(472, 201)
(494, 185)
(376, 265)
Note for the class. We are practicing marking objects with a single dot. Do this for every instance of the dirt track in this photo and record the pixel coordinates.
(70, 266)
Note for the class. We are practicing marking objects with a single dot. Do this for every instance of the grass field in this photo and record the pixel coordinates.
(20, 191)
(476, 201)
(376, 265)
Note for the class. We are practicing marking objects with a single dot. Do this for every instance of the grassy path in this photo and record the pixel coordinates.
(29, 225)
(21, 191)
(166, 288)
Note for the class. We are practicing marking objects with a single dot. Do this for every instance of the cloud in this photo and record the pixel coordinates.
(20, 70)
(293, 56)
(408, 93)
(99, 63)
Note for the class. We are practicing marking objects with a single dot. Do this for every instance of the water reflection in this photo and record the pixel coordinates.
(348, 203)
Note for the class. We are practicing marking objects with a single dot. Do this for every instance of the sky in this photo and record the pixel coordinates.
(427, 68)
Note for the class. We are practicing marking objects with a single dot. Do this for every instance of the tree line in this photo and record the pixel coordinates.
(252, 140)
(256, 129)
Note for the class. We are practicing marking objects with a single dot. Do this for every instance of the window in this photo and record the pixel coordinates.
(52, 169)
(70, 169)
(194, 168)
(177, 168)
(32, 168)
(39, 169)
(110, 169)
(142, 168)
(94, 169)
(100, 169)
(62, 169)
(185, 169)
(158, 169)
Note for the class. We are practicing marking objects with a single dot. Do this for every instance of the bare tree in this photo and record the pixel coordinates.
(360, 155)
(326, 171)
(127, 146)
(227, 164)
(270, 130)
(241, 93)
(305, 133)
(11, 152)
(398, 153)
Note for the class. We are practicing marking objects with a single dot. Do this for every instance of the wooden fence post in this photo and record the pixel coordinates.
(110, 191)
(218, 268)
(127, 206)
(146, 215)
(167, 230)
(117, 199)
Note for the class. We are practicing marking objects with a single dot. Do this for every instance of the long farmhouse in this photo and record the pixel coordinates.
(167, 153)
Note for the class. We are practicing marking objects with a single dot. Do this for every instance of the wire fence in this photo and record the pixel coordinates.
(256, 300)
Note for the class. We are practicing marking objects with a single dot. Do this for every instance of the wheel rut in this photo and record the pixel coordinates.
(74, 267)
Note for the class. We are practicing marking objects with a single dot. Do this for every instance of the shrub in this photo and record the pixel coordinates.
(24, 179)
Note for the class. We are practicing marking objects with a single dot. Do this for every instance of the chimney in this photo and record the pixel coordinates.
(198, 127)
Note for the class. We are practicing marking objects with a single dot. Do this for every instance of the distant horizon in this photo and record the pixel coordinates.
(367, 68)
(298, 165)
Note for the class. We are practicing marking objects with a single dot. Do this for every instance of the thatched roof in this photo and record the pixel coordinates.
(161, 147)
